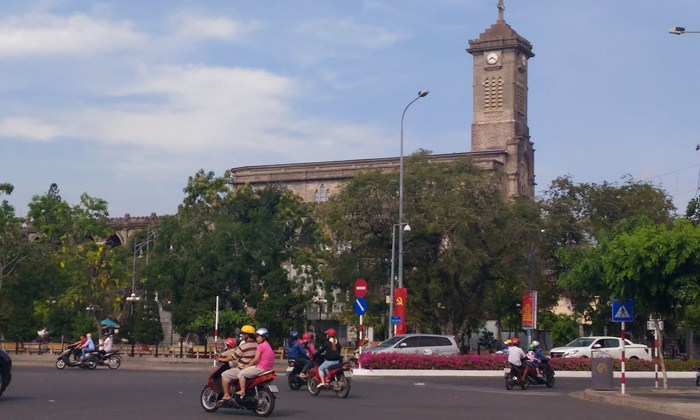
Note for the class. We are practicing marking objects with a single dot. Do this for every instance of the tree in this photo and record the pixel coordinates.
(13, 244)
(237, 243)
(576, 216)
(656, 265)
(465, 239)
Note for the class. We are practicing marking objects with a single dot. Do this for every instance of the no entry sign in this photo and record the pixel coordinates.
(360, 288)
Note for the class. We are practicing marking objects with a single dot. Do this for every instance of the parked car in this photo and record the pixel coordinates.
(584, 347)
(5, 370)
(422, 344)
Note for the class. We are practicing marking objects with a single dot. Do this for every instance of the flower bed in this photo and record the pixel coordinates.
(497, 361)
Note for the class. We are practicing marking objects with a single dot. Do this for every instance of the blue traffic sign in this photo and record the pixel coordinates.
(622, 312)
(360, 306)
(395, 320)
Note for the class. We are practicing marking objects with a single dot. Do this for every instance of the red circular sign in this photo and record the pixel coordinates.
(360, 288)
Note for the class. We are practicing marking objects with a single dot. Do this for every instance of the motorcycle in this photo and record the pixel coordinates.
(337, 379)
(514, 374)
(294, 368)
(547, 371)
(259, 397)
(88, 362)
(110, 359)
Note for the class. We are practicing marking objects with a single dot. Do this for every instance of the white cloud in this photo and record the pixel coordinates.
(348, 33)
(27, 128)
(41, 34)
(192, 27)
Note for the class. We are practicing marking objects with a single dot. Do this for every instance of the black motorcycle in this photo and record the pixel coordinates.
(110, 359)
(546, 370)
(87, 362)
(294, 368)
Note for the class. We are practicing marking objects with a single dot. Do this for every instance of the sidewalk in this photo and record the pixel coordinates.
(683, 402)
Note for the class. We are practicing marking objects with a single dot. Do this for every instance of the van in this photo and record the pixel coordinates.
(419, 344)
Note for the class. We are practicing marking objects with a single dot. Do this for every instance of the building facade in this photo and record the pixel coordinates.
(500, 136)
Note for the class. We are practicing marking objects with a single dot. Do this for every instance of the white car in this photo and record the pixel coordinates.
(585, 346)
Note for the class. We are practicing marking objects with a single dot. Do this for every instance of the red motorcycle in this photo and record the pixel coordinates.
(259, 396)
(337, 379)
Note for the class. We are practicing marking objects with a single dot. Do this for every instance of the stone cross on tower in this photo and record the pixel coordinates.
(501, 9)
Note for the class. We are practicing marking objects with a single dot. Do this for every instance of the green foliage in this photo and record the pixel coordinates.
(230, 322)
(240, 244)
(564, 329)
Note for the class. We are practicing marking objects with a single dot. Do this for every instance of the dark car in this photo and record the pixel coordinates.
(5, 370)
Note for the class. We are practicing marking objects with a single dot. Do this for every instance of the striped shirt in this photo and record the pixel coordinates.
(246, 353)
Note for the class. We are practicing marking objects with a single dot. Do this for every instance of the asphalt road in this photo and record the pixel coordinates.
(47, 393)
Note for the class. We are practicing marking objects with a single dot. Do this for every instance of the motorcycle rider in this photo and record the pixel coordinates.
(263, 361)
(330, 350)
(244, 353)
(296, 350)
(87, 347)
(515, 355)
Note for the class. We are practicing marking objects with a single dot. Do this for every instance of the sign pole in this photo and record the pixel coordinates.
(656, 357)
(622, 362)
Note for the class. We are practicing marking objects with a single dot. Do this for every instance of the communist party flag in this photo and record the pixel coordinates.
(399, 308)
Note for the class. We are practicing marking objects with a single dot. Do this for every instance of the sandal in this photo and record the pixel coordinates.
(223, 400)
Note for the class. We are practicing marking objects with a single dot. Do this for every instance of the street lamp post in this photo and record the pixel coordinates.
(421, 94)
(133, 298)
(679, 30)
(406, 228)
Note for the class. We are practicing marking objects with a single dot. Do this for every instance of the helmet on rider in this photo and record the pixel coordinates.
(508, 342)
(293, 336)
(263, 332)
(330, 332)
(248, 329)
(516, 341)
(535, 343)
(532, 346)
(230, 342)
(306, 337)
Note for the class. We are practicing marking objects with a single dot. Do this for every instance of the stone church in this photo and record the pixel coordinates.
(500, 137)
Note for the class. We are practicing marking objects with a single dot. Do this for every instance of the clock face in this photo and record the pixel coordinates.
(492, 58)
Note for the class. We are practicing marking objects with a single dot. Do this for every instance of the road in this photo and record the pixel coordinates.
(47, 393)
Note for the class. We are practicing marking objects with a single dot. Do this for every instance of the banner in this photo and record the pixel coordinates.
(529, 318)
(399, 309)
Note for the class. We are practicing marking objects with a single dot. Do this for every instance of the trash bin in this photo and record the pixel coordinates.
(601, 371)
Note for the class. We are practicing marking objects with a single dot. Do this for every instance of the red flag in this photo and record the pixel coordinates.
(400, 308)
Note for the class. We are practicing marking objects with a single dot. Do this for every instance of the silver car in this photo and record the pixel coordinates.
(420, 344)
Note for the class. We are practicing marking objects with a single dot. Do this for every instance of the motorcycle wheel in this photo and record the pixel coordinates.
(311, 385)
(208, 400)
(509, 382)
(524, 384)
(697, 381)
(60, 364)
(265, 403)
(91, 364)
(293, 381)
(344, 386)
(113, 362)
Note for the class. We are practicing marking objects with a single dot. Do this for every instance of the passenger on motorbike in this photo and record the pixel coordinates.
(88, 346)
(77, 346)
(515, 355)
(534, 356)
(296, 350)
(244, 353)
(263, 361)
(507, 344)
(330, 350)
(229, 355)
(306, 343)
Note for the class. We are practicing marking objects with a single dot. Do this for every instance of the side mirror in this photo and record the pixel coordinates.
(402, 345)
(597, 346)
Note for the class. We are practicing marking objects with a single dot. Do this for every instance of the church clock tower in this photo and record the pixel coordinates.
(499, 127)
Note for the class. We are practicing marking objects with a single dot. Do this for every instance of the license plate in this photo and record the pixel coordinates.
(348, 373)
(290, 368)
(273, 389)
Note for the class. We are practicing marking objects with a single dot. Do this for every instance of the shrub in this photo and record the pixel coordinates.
(497, 361)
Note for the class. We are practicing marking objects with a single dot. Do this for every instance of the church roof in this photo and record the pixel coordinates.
(500, 35)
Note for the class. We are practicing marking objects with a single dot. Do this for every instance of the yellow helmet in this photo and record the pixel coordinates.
(248, 329)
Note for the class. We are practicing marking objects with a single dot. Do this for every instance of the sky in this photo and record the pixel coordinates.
(124, 100)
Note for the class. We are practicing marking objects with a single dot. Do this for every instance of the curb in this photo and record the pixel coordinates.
(677, 408)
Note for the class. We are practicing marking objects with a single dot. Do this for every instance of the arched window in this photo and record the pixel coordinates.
(322, 194)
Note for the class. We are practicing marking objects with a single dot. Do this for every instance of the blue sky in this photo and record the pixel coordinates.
(125, 99)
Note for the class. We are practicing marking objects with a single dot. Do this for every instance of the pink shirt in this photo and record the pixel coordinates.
(267, 356)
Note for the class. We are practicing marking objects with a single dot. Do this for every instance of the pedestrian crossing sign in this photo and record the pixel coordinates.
(622, 312)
